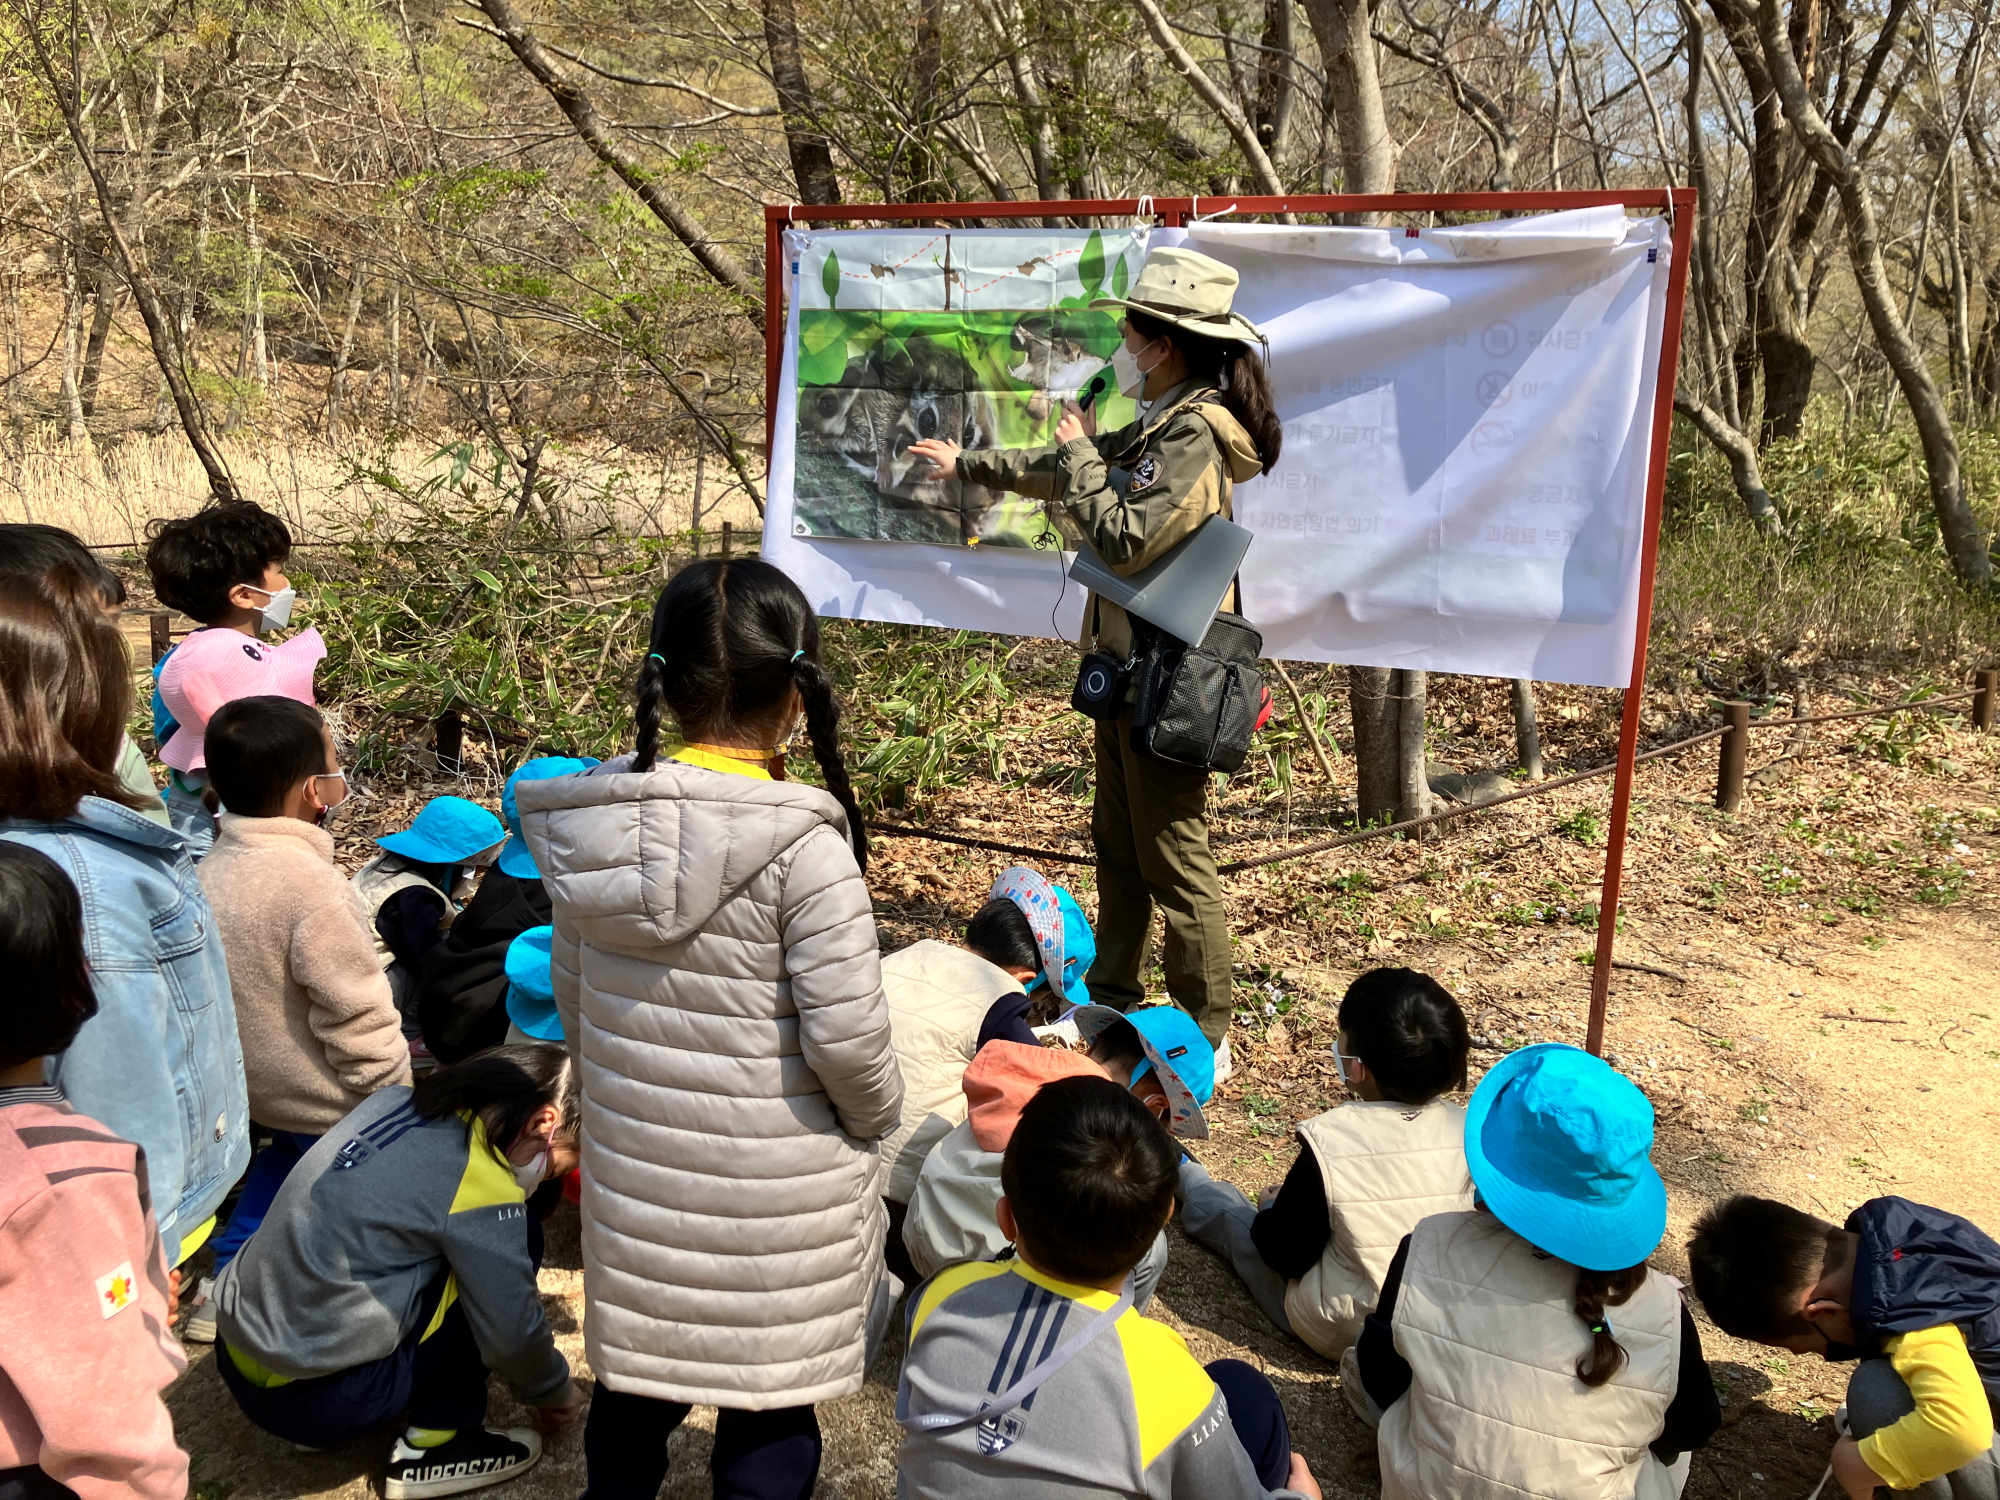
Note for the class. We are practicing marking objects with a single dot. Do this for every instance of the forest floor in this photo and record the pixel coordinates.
(1806, 1019)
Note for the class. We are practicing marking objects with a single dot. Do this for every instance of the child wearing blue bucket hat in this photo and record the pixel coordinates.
(531, 993)
(463, 985)
(1157, 1054)
(415, 888)
(1524, 1347)
(947, 1000)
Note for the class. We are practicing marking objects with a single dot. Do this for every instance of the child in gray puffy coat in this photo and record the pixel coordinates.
(715, 964)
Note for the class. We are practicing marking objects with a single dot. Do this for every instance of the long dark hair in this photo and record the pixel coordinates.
(1595, 1291)
(504, 1086)
(65, 688)
(728, 639)
(1237, 372)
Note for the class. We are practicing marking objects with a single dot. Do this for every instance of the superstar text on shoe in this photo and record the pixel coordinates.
(476, 1458)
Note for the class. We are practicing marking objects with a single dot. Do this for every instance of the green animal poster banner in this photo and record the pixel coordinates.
(978, 336)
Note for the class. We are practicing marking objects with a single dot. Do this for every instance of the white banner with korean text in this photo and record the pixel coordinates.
(1467, 421)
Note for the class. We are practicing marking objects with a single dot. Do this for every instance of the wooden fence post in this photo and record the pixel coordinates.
(1987, 681)
(727, 528)
(161, 623)
(1735, 756)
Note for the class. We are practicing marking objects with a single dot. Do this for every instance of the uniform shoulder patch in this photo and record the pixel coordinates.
(1144, 475)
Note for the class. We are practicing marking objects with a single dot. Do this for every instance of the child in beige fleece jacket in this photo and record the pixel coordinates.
(318, 1021)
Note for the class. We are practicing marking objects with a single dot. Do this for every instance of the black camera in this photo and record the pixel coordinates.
(1100, 686)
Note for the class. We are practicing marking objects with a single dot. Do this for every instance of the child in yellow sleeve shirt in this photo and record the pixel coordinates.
(1912, 1292)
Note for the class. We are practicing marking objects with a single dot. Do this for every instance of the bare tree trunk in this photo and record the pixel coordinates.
(395, 356)
(336, 382)
(1413, 782)
(260, 352)
(1371, 699)
(1344, 30)
(1986, 353)
(194, 422)
(1240, 130)
(812, 158)
(1527, 731)
(926, 62)
(10, 331)
(1275, 87)
(104, 295)
(714, 257)
(1735, 445)
(72, 334)
(1962, 534)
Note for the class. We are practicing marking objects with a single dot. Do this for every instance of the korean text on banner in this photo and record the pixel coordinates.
(1467, 419)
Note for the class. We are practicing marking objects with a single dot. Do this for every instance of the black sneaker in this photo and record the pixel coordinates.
(477, 1457)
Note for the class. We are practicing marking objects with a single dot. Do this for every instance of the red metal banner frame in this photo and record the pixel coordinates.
(1679, 204)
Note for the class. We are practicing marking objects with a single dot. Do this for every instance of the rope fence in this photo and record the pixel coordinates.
(1734, 732)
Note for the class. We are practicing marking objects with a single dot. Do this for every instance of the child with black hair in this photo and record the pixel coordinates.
(716, 967)
(947, 1001)
(29, 549)
(1912, 1292)
(1314, 1254)
(223, 567)
(463, 987)
(397, 1267)
(85, 1295)
(1098, 1398)
(319, 1024)
(1157, 1053)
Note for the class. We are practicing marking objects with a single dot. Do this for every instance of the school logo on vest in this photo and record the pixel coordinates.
(353, 1154)
(998, 1434)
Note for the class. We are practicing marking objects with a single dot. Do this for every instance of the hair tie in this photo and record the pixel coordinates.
(655, 656)
(1599, 1328)
(795, 657)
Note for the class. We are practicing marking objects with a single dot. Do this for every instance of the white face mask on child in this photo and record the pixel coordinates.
(530, 1177)
(278, 613)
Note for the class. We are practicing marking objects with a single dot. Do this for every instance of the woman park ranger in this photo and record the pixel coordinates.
(1205, 424)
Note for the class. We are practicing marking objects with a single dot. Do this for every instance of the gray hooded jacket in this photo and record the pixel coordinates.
(716, 969)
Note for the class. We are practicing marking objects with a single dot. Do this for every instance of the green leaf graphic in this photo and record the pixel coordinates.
(829, 278)
(1090, 268)
(1119, 280)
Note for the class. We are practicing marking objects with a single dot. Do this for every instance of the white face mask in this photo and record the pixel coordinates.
(1125, 369)
(530, 1176)
(278, 613)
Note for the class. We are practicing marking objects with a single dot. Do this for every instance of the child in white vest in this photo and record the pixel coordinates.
(1524, 1347)
(946, 1001)
(1367, 1171)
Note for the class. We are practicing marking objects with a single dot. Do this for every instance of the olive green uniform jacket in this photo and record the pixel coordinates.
(1133, 492)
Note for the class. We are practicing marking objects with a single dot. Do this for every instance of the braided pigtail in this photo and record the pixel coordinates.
(648, 714)
(1596, 1291)
(823, 727)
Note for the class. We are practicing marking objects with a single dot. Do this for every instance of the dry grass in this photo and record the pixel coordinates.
(106, 493)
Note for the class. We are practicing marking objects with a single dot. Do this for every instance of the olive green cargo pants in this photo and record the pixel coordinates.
(1150, 826)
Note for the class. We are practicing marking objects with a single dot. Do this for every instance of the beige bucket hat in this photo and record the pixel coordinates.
(1190, 290)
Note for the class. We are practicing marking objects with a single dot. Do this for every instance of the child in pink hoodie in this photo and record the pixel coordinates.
(85, 1296)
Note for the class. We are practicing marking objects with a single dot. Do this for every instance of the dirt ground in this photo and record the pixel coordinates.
(1813, 1012)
